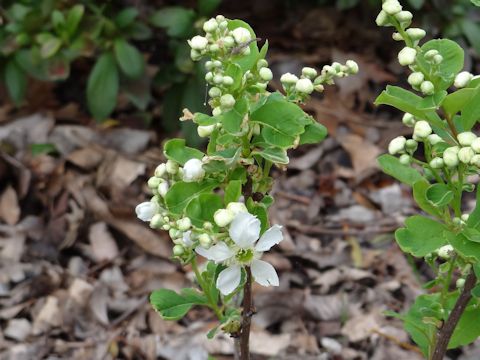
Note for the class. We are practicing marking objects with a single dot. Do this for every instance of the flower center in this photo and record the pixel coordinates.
(244, 256)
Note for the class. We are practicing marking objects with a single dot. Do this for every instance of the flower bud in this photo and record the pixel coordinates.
(217, 111)
(437, 163)
(309, 72)
(157, 221)
(404, 16)
(198, 43)
(437, 59)
(193, 170)
(237, 207)
(352, 66)
(205, 240)
(416, 33)
(214, 92)
(228, 42)
(207, 225)
(184, 224)
(391, 7)
(160, 170)
(223, 217)
(178, 250)
(218, 79)
(466, 138)
(205, 130)
(227, 101)
(174, 233)
(397, 36)
(466, 154)
(416, 78)
(210, 25)
(288, 79)
(172, 167)
(227, 80)
(153, 182)
(434, 139)
(220, 18)
(397, 145)
(405, 159)
(262, 63)
(411, 145)
(146, 210)
(241, 35)
(450, 156)
(475, 160)
(408, 119)
(476, 145)
(430, 54)
(427, 87)
(304, 86)
(460, 283)
(462, 79)
(382, 19)
(465, 217)
(445, 252)
(163, 188)
(265, 74)
(319, 88)
(422, 129)
(407, 55)
(209, 76)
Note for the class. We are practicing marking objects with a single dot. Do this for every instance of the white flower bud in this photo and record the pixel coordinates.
(195, 55)
(193, 170)
(205, 130)
(408, 119)
(184, 224)
(427, 87)
(241, 35)
(157, 221)
(217, 111)
(160, 170)
(437, 59)
(422, 129)
(466, 154)
(450, 156)
(220, 18)
(476, 145)
(475, 160)
(209, 76)
(404, 16)
(207, 225)
(352, 66)
(406, 56)
(405, 159)
(465, 217)
(205, 240)
(309, 72)
(288, 79)
(391, 7)
(223, 217)
(266, 74)
(227, 80)
(434, 139)
(397, 36)
(416, 33)
(437, 163)
(198, 43)
(466, 138)
(460, 283)
(178, 250)
(382, 19)
(304, 86)
(214, 92)
(262, 63)
(218, 79)
(210, 25)
(153, 182)
(445, 252)
(397, 145)
(172, 167)
(319, 88)
(227, 101)
(163, 188)
(229, 42)
(411, 145)
(430, 54)
(416, 78)
(237, 207)
(462, 79)
(146, 210)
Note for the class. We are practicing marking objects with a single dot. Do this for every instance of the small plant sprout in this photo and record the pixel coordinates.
(214, 204)
(442, 109)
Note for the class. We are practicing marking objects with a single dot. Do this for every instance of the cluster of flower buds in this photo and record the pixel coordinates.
(467, 152)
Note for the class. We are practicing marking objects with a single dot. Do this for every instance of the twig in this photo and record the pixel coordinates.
(446, 331)
(246, 317)
(402, 344)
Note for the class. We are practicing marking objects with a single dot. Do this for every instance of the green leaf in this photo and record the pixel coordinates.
(401, 99)
(439, 195)
(420, 236)
(176, 150)
(173, 306)
(420, 195)
(314, 133)
(471, 110)
(50, 47)
(232, 120)
(204, 119)
(432, 102)
(274, 154)
(467, 329)
(465, 247)
(74, 16)
(471, 234)
(178, 21)
(474, 218)
(249, 61)
(126, 17)
(202, 208)
(128, 58)
(102, 87)
(16, 81)
(46, 148)
(233, 191)
(181, 193)
(392, 166)
(457, 100)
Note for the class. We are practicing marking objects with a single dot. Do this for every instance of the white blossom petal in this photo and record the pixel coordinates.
(218, 253)
(271, 237)
(146, 210)
(264, 273)
(244, 230)
(229, 279)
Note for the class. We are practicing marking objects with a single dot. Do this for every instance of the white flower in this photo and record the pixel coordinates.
(397, 145)
(427, 87)
(227, 101)
(237, 207)
(205, 130)
(407, 55)
(160, 170)
(184, 224)
(416, 33)
(198, 43)
(146, 210)
(445, 251)
(352, 66)
(288, 79)
(466, 154)
(193, 170)
(466, 138)
(223, 217)
(416, 78)
(304, 86)
(434, 139)
(476, 145)
(450, 156)
(382, 19)
(391, 7)
(266, 74)
(408, 120)
(210, 25)
(163, 188)
(187, 238)
(205, 240)
(241, 35)
(246, 251)
(309, 72)
(462, 79)
(465, 216)
(422, 129)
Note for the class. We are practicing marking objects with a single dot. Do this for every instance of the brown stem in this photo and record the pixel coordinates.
(246, 317)
(451, 125)
(446, 331)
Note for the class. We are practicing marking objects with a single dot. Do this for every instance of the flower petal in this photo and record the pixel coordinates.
(218, 253)
(264, 273)
(270, 238)
(244, 229)
(229, 279)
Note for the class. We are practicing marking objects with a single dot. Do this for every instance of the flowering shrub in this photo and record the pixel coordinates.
(438, 162)
(214, 204)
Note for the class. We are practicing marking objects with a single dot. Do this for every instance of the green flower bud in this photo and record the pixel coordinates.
(411, 145)
(172, 167)
(434, 139)
(408, 119)
(466, 154)
(476, 145)
(309, 72)
(405, 159)
(427, 87)
(160, 170)
(265, 74)
(262, 63)
(205, 240)
(227, 101)
(475, 160)
(416, 78)
(214, 92)
(227, 80)
(430, 54)
(466, 138)
(217, 111)
(157, 221)
(437, 163)
(178, 250)
(450, 156)
(153, 182)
